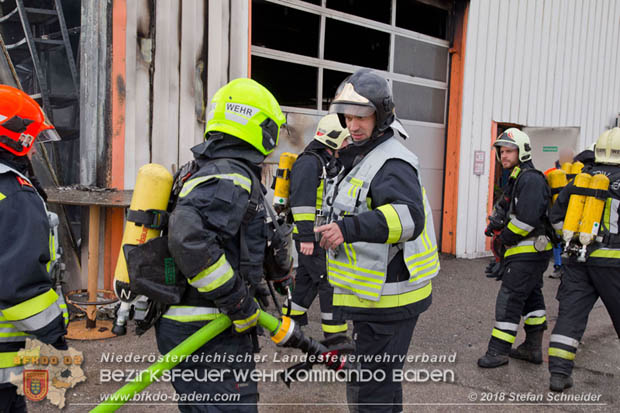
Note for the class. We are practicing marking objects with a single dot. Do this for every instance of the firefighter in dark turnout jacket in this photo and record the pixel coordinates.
(209, 229)
(525, 248)
(29, 306)
(316, 164)
(599, 276)
(382, 247)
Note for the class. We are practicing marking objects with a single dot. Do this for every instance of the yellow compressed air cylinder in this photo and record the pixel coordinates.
(576, 168)
(556, 179)
(566, 167)
(283, 179)
(574, 211)
(152, 191)
(593, 211)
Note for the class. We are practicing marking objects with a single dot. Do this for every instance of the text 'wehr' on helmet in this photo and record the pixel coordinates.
(330, 132)
(607, 148)
(22, 122)
(514, 138)
(363, 93)
(246, 110)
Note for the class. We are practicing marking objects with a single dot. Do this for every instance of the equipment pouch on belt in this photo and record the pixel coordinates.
(540, 243)
(153, 271)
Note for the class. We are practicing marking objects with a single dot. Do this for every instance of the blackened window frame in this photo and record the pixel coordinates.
(323, 64)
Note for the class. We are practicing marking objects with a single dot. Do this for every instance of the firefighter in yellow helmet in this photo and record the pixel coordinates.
(310, 171)
(382, 247)
(583, 283)
(29, 306)
(525, 249)
(217, 237)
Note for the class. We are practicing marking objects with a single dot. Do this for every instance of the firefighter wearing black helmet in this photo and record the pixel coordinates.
(525, 249)
(382, 251)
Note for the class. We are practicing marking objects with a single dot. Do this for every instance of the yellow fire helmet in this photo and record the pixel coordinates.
(515, 138)
(330, 132)
(607, 148)
(248, 111)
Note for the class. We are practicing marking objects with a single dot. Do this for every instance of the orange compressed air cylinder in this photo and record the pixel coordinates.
(283, 179)
(566, 167)
(556, 179)
(576, 168)
(574, 211)
(152, 191)
(593, 211)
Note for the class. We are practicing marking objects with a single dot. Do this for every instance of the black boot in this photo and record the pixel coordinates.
(492, 359)
(531, 349)
(559, 382)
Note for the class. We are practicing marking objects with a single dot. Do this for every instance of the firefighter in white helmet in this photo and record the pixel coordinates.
(317, 163)
(583, 283)
(525, 249)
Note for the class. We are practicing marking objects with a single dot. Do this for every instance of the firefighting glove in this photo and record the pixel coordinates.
(240, 306)
(262, 294)
(338, 346)
(245, 319)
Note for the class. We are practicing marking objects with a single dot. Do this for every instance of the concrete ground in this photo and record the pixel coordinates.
(458, 323)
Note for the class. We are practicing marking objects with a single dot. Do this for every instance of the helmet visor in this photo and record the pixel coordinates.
(351, 109)
(48, 135)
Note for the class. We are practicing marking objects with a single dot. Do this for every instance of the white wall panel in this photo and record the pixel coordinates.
(537, 63)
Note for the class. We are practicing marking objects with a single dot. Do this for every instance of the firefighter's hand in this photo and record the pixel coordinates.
(306, 248)
(331, 236)
(244, 320)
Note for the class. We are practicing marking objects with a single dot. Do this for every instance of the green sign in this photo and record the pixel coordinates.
(550, 148)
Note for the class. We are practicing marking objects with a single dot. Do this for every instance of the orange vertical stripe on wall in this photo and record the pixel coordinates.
(115, 216)
(487, 243)
(453, 140)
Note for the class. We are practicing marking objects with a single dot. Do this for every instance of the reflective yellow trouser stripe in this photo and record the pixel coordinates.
(340, 328)
(563, 354)
(534, 321)
(503, 336)
(30, 307)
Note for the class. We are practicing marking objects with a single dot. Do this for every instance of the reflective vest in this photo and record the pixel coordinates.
(32, 314)
(358, 271)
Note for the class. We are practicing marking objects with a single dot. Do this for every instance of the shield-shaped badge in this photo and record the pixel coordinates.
(36, 384)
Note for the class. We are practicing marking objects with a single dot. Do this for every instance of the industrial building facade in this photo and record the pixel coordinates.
(461, 71)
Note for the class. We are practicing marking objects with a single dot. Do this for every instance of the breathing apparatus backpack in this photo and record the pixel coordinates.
(583, 227)
(544, 233)
(150, 268)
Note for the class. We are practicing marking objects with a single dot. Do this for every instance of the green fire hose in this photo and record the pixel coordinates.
(174, 357)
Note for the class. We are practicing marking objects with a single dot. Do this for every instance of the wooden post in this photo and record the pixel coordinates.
(93, 264)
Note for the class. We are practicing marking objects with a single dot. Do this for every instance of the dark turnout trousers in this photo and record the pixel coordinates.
(389, 340)
(520, 295)
(581, 286)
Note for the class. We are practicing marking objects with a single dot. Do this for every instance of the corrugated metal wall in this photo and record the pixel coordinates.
(542, 63)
